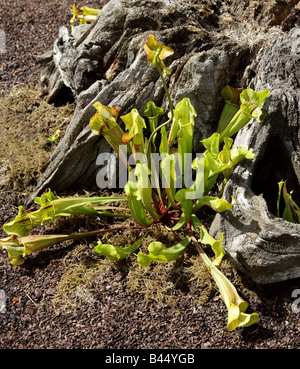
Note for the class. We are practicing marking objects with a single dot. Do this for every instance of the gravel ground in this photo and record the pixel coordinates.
(113, 317)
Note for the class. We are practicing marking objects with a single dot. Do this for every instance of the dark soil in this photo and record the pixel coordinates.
(109, 314)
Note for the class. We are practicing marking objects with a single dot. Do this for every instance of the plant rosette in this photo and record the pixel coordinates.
(160, 187)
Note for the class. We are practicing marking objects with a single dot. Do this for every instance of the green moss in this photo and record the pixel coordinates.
(26, 120)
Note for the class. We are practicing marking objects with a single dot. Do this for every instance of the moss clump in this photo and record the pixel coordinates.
(75, 285)
(88, 275)
(26, 121)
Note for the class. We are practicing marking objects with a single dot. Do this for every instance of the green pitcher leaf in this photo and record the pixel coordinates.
(207, 239)
(239, 153)
(280, 184)
(183, 125)
(158, 253)
(251, 102)
(21, 225)
(55, 136)
(212, 144)
(236, 306)
(187, 210)
(135, 205)
(116, 252)
(218, 161)
(214, 202)
(228, 112)
(239, 120)
(249, 108)
(153, 112)
(86, 10)
(144, 187)
(18, 248)
(231, 96)
(53, 207)
(163, 147)
(184, 112)
(216, 245)
(197, 189)
(291, 211)
(224, 160)
(170, 176)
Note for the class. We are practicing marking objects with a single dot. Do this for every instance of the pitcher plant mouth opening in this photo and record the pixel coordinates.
(164, 181)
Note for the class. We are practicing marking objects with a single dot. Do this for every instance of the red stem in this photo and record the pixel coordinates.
(156, 204)
(85, 234)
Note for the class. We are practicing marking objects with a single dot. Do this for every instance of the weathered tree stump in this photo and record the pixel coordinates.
(263, 246)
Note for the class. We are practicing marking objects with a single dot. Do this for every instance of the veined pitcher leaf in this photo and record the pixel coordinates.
(158, 253)
(53, 207)
(18, 248)
(21, 225)
(16, 251)
(232, 94)
(135, 125)
(105, 122)
(48, 195)
(251, 102)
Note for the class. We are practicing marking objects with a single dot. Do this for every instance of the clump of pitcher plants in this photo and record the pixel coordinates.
(167, 183)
